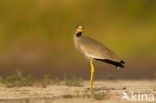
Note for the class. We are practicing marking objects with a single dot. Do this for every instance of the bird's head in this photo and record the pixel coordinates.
(79, 30)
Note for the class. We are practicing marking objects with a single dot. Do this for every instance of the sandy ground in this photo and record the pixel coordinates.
(104, 92)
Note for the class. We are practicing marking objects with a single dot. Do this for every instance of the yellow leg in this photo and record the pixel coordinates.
(92, 75)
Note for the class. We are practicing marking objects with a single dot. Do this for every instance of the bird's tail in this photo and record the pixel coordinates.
(118, 65)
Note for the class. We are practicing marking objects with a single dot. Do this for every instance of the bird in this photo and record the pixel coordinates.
(94, 50)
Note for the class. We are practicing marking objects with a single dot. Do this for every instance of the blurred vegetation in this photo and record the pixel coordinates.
(73, 81)
(41, 31)
(101, 95)
(19, 79)
(34, 22)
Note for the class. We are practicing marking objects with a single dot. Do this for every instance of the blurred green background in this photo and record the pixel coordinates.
(36, 36)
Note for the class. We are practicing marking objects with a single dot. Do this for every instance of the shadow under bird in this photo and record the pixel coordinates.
(94, 50)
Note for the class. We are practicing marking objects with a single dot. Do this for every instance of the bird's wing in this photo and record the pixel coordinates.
(94, 49)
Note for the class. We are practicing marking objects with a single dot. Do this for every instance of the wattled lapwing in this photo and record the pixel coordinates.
(94, 50)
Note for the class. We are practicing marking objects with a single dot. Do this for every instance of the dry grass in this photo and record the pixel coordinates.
(74, 81)
(18, 79)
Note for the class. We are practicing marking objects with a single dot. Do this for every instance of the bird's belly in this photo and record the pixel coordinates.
(93, 55)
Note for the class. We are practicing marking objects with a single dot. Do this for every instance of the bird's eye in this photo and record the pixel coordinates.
(78, 34)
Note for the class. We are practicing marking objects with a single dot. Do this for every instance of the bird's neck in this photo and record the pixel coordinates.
(78, 34)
